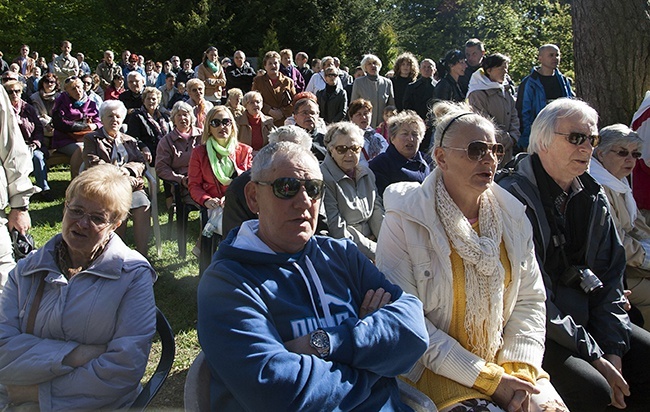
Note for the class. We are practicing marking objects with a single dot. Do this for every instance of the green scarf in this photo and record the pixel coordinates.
(222, 166)
(211, 66)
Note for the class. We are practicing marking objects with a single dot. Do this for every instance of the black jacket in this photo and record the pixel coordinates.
(333, 106)
(419, 95)
(588, 325)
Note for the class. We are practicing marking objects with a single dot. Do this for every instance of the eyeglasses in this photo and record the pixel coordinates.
(343, 149)
(50, 81)
(14, 91)
(477, 150)
(220, 122)
(579, 138)
(288, 187)
(88, 83)
(77, 213)
(626, 153)
(331, 75)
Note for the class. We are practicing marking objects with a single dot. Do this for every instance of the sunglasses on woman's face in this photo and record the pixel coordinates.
(288, 187)
(343, 149)
(579, 138)
(220, 122)
(626, 153)
(477, 150)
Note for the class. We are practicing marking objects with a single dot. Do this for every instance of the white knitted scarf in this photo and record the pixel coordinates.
(484, 274)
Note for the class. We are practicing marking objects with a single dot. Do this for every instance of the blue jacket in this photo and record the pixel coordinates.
(391, 167)
(252, 300)
(110, 303)
(531, 99)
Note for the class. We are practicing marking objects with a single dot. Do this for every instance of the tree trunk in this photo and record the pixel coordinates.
(611, 45)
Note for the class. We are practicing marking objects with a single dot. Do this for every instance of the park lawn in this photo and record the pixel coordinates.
(175, 288)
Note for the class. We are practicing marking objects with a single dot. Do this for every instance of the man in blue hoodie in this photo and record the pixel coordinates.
(543, 85)
(290, 321)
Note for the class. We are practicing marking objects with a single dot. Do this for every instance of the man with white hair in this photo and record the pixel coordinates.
(373, 87)
(594, 355)
(107, 69)
(132, 98)
(240, 74)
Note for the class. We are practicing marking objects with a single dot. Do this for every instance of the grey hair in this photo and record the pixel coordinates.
(325, 60)
(543, 129)
(402, 118)
(449, 116)
(367, 58)
(291, 133)
(134, 74)
(616, 135)
(181, 106)
(111, 105)
(343, 129)
(250, 96)
(151, 90)
(271, 154)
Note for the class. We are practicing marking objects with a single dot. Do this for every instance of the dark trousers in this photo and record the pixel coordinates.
(583, 388)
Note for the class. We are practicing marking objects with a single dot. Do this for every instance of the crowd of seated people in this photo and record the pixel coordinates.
(528, 310)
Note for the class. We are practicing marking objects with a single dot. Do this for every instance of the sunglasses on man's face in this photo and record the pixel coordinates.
(477, 150)
(288, 187)
(626, 153)
(14, 91)
(219, 122)
(579, 138)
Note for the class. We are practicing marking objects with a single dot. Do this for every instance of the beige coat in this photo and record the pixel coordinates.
(245, 134)
(214, 82)
(630, 233)
(501, 107)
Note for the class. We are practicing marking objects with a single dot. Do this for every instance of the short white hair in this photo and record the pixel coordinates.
(110, 106)
(543, 129)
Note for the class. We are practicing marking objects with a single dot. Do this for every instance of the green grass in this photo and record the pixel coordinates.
(175, 288)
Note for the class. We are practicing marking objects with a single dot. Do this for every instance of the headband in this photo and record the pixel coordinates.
(442, 136)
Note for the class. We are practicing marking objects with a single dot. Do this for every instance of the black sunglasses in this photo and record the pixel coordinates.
(626, 153)
(477, 150)
(218, 122)
(288, 187)
(579, 138)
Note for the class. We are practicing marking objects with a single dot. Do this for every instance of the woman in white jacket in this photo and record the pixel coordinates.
(611, 164)
(464, 246)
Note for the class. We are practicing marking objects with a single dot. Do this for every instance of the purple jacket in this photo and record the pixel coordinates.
(68, 119)
(294, 74)
(30, 126)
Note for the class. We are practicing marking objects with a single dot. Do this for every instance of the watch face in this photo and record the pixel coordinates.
(320, 341)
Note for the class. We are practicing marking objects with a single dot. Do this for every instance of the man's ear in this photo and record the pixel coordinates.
(250, 191)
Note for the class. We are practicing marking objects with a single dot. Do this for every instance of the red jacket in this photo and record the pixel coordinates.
(202, 183)
(641, 184)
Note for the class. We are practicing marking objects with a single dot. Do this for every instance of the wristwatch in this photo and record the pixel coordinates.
(320, 340)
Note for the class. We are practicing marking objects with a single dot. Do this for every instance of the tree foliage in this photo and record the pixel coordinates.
(344, 28)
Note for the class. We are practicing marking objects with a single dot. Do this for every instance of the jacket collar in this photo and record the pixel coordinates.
(108, 265)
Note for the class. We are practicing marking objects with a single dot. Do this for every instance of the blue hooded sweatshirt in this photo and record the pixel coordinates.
(252, 299)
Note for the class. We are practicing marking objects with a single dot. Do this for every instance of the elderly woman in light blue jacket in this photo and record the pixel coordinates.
(353, 208)
(77, 316)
